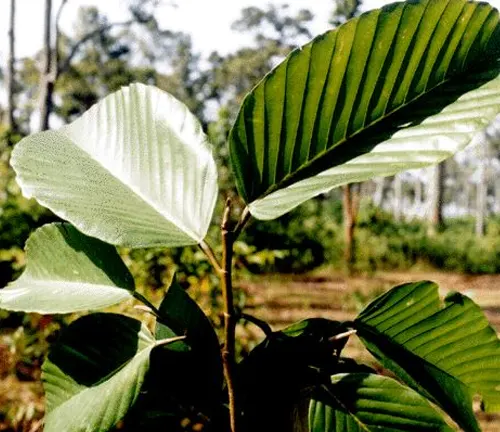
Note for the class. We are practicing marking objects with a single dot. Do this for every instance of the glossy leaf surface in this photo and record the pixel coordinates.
(67, 271)
(397, 88)
(449, 352)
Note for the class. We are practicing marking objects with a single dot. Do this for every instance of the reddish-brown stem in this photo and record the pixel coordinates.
(228, 349)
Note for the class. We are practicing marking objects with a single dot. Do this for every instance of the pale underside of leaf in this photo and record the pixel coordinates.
(95, 406)
(98, 408)
(135, 170)
(67, 271)
(44, 296)
(376, 96)
(437, 138)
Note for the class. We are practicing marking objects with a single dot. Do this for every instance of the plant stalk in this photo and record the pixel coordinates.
(209, 253)
(228, 349)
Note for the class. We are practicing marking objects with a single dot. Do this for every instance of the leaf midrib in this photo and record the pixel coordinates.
(138, 357)
(102, 163)
(39, 284)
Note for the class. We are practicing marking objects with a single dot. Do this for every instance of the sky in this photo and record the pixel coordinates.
(208, 21)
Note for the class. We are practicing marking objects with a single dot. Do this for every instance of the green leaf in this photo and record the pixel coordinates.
(67, 271)
(367, 402)
(185, 379)
(397, 88)
(134, 170)
(181, 314)
(275, 377)
(95, 372)
(447, 352)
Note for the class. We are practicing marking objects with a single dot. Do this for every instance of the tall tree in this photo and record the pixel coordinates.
(398, 197)
(276, 30)
(185, 79)
(436, 195)
(10, 77)
(54, 63)
(46, 76)
(350, 206)
(481, 195)
(96, 62)
(343, 11)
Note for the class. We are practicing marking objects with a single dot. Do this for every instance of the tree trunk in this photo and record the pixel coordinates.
(417, 201)
(379, 195)
(496, 189)
(436, 198)
(10, 78)
(467, 197)
(398, 197)
(481, 191)
(46, 75)
(350, 207)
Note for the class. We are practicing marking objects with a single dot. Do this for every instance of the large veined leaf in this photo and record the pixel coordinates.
(448, 352)
(397, 88)
(94, 373)
(368, 402)
(67, 271)
(185, 378)
(134, 170)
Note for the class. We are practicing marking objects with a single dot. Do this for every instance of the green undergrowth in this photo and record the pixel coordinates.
(312, 236)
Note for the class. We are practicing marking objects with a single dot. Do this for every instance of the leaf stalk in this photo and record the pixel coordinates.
(152, 308)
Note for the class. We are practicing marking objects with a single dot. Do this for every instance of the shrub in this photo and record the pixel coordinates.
(136, 171)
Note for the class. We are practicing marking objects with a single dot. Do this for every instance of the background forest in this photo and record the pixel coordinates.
(444, 221)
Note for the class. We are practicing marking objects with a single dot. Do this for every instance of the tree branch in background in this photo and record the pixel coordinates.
(89, 36)
(57, 52)
(52, 64)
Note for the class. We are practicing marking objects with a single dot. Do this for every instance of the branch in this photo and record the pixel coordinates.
(57, 53)
(64, 67)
